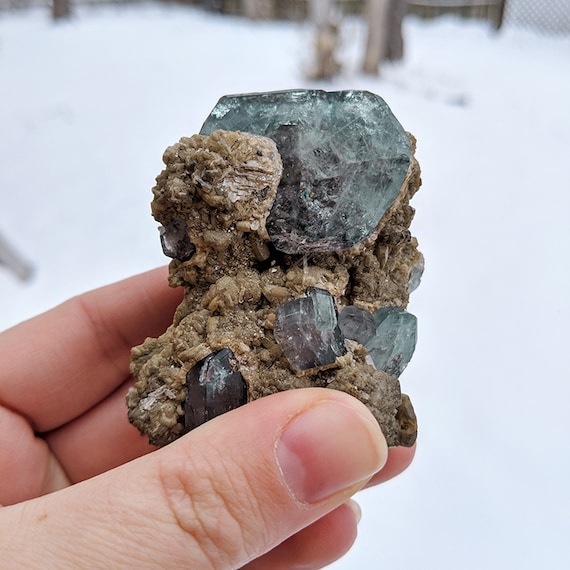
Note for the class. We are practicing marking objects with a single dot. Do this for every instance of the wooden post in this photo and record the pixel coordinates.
(500, 14)
(13, 261)
(259, 9)
(61, 9)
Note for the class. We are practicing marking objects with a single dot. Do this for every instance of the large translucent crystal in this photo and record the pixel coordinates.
(306, 329)
(345, 157)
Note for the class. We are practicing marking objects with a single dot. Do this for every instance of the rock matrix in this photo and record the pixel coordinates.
(287, 221)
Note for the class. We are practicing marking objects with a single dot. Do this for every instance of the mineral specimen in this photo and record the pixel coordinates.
(291, 239)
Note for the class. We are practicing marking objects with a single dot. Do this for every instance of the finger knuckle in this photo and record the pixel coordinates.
(213, 503)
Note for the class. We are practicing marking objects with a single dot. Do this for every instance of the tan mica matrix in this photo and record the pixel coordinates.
(222, 187)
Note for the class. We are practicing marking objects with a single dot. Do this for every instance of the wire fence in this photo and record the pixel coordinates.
(546, 16)
(15, 5)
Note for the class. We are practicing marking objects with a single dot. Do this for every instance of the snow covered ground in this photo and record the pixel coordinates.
(86, 110)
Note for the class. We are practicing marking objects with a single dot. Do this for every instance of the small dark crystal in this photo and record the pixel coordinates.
(345, 158)
(214, 386)
(175, 241)
(356, 324)
(306, 329)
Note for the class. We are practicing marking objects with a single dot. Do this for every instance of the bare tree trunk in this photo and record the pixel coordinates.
(61, 9)
(259, 9)
(385, 41)
(377, 15)
(395, 43)
(212, 5)
(319, 11)
(326, 18)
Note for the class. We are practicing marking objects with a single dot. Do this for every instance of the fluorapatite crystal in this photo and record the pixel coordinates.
(214, 386)
(416, 274)
(345, 158)
(356, 324)
(175, 241)
(393, 344)
(307, 331)
(389, 335)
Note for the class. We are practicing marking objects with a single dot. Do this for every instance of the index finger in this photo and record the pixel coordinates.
(56, 366)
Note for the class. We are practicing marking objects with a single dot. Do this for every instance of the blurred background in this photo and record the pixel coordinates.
(91, 93)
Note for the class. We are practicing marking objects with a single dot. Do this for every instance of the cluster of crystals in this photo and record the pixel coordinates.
(389, 335)
(312, 336)
(334, 190)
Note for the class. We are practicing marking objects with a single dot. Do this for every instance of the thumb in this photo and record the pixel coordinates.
(222, 496)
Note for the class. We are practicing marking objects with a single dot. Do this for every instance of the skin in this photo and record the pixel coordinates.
(268, 485)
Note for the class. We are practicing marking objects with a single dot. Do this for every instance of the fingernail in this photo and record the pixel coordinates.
(329, 448)
(356, 510)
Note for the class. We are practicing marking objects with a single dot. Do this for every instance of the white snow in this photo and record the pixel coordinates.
(86, 110)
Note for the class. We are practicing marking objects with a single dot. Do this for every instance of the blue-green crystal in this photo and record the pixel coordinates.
(357, 324)
(392, 346)
(416, 274)
(345, 157)
(307, 330)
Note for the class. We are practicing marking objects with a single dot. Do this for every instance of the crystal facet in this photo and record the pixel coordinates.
(416, 274)
(175, 241)
(356, 324)
(306, 329)
(345, 158)
(214, 386)
(392, 346)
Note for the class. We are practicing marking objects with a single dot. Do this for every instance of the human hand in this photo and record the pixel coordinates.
(264, 486)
